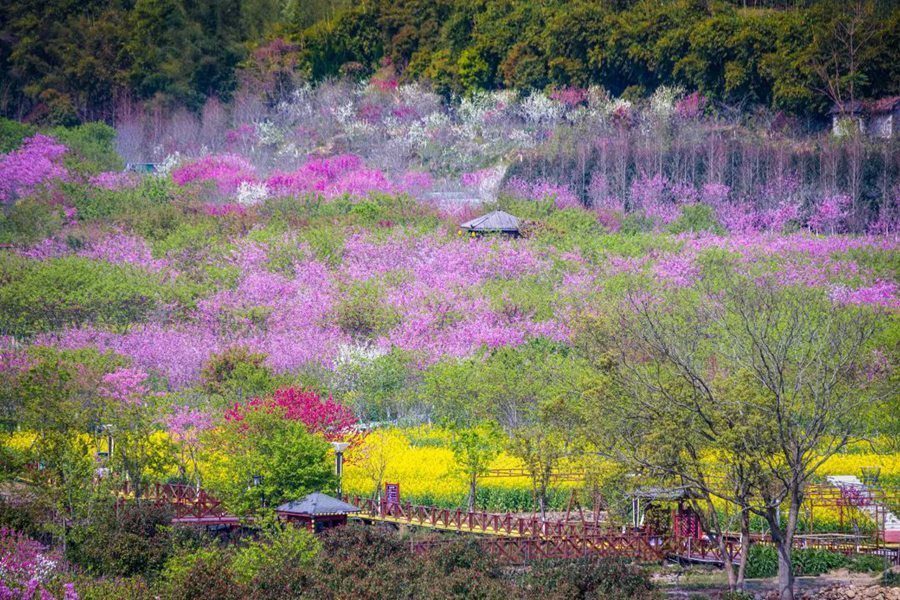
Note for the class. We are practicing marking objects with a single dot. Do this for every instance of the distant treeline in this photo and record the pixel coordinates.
(63, 61)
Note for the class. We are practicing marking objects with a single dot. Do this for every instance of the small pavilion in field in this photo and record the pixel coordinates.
(317, 511)
(493, 222)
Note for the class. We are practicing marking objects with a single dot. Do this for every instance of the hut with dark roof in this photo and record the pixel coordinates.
(875, 118)
(884, 117)
(317, 511)
(493, 222)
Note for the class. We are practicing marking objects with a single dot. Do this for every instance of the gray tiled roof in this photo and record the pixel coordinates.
(317, 504)
(493, 221)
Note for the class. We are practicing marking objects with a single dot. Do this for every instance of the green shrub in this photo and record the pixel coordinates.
(122, 541)
(204, 574)
(116, 588)
(127, 204)
(567, 227)
(636, 222)
(187, 237)
(362, 312)
(280, 547)
(29, 221)
(815, 561)
(891, 578)
(12, 133)
(327, 243)
(91, 148)
(867, 563)
(47, 295)
(237, 372)
(762, 561)
(694, 218)
(589, 578)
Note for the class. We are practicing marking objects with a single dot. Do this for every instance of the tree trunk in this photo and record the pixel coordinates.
(715, 533)
(785, 573)
(783, 539)
(472, 483)
(745, 548)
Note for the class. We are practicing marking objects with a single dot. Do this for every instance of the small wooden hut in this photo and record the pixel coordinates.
(493, 222)
(317, 511)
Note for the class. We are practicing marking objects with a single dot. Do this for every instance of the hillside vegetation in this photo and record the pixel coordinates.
(67, 62)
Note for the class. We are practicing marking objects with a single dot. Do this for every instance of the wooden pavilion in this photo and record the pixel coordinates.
(493, 222)
(317, 511)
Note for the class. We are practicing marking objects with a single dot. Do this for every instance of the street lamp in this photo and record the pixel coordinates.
(339, 448)
(109, 439)
(257, 481)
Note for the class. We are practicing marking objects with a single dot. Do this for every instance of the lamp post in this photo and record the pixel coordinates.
(257, 481)
(109, 438)
(339, 448)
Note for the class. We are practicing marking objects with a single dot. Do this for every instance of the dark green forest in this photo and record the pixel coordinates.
(66, 61)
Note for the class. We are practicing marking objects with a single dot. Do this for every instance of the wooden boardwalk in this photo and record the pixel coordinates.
(477, 522)
(191, 505)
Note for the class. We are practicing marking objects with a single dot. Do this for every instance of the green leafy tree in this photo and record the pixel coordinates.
(769, 380)
(281, 456)
(281, 546)
(474, 449)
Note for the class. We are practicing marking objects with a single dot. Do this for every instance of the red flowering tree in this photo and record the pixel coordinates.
(326, 417)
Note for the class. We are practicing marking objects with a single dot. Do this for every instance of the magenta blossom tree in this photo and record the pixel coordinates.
(36, 163)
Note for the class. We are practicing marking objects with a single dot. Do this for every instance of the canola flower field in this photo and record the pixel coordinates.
(421, 461)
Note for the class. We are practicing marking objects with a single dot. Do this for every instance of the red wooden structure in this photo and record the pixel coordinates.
(524, 550)
(191, 505)
(499, 524)
(316, 511)
(853, 501)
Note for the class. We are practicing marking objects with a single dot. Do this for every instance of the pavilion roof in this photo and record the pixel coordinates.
(493, 221)
(317, 503)
(665, 494)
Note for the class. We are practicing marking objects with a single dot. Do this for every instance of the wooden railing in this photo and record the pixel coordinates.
(523, 550)
(189, 503)
(519, 540)
(704, 550)
(502, 524)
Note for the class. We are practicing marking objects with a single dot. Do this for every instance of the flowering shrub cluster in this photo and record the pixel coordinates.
(124, 249)
(225, 171)
(437, 297)
(125, 385)
(332, 420)
(115, 180)
(26, 566)
(36, 163)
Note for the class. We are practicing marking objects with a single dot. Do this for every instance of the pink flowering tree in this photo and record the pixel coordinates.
(543, 189)
(226, 172)
(126, 386)
(325, 417)
(829, 215)
(38, 162)
(27, 567)
(124, 249)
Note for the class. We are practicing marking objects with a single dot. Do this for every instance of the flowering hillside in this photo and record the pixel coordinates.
(298, 277)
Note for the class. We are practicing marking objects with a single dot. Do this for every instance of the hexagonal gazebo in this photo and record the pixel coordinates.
(317, 511)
